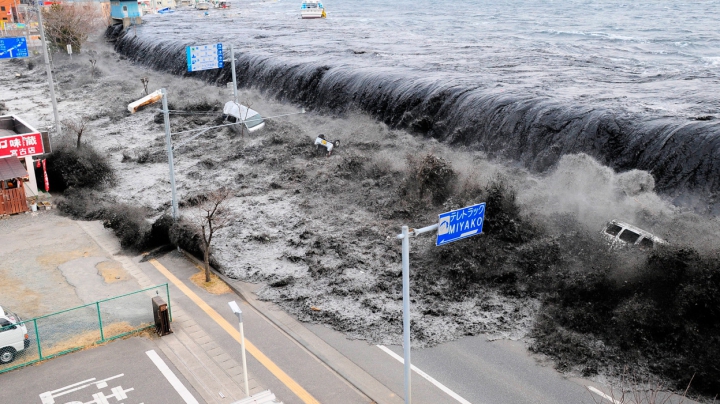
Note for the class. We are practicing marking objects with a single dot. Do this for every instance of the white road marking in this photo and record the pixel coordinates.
(603, 395)
(49, 397)
(425, 375)
(170, 376)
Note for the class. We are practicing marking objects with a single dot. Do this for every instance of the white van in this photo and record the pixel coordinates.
(620, 234)
(13, 336)
(238, 113)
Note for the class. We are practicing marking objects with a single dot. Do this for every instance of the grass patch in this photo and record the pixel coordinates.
(216, 286)
(112, 271)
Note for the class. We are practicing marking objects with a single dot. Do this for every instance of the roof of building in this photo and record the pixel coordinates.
(11, 167)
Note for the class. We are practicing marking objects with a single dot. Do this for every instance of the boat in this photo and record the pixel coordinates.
(312, 9)
(203, 5)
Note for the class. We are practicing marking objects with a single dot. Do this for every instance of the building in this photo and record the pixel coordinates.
(19, 143)
(8, 11)
(126, 12)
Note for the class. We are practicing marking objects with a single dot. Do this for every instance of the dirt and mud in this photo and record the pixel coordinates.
(319, 232)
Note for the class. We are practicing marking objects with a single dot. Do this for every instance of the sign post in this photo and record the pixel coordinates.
(13, 47)
(232, 65)
(452, 226)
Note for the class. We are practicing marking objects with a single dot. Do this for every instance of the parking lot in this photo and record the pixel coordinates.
(129, 371)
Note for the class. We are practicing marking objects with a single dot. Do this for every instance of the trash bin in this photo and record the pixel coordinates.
(162, 316)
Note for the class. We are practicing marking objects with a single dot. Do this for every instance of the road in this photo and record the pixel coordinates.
(122, 370)
(473, 368)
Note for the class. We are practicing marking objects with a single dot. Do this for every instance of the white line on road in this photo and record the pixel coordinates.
(170, 376)
(603, 395)
(425, 375)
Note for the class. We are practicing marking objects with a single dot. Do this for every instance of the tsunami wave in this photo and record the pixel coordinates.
(681, 153)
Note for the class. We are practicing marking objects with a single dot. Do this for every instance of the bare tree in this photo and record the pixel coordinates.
(71, 23)
(77, 125)
(145, 81)
(212, 216)
(92, 60)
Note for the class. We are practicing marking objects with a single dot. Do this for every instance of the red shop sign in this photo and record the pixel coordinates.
(28, 144)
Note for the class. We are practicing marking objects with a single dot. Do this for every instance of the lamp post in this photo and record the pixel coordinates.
(236, 309)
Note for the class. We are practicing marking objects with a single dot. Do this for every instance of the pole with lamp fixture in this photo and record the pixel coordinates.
(236, 310)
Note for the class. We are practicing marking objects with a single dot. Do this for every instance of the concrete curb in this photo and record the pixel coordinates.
(336, 361)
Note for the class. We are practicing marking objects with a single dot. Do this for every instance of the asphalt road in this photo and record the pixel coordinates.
(477, 370)
(120, 371)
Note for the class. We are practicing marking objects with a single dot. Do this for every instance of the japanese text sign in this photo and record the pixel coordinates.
(28, 144)
(13, 47)
(204, 57)
(461, 223)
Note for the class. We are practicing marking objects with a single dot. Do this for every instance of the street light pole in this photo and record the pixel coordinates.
(48, 69)
(236, 309)
(406, 309)
(168, 142)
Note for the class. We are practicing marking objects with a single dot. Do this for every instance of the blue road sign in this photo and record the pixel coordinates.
(13, 47)
(460, 224)
(204, 57)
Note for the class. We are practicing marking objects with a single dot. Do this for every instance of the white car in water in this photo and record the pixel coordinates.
(620, 234)
(240, 114)
(13, 336)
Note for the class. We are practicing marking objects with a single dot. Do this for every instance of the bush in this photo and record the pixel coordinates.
(129, 225)
(70, 167)
(661, 313)
(80, 204)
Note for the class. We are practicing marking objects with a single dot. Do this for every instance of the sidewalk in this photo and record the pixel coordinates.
(212, 372)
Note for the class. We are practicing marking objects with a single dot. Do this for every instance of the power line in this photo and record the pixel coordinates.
(205, 129)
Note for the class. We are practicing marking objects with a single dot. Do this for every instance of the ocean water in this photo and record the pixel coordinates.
(634, 84)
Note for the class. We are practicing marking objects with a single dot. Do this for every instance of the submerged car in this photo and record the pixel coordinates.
(620, 234)
(240, 114)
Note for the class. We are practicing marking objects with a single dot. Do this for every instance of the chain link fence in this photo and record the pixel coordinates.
(51, 335)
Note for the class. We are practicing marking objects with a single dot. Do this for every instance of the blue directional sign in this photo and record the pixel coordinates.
(204, 57)
(460, 224)
(13, 47)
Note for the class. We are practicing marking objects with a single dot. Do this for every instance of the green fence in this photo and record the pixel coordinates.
(74, 329)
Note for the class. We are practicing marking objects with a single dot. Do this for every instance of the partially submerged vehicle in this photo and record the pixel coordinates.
(620, 234)
(238, 113)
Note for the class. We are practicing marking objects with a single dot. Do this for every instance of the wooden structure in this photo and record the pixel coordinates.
(12, 186)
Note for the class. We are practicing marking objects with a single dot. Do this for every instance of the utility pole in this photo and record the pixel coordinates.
(48, 69)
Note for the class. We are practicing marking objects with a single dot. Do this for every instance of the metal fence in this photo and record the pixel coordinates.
(73, 329)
